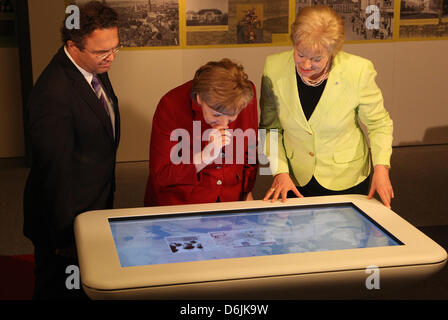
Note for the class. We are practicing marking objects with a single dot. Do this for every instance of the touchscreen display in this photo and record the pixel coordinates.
(175, 238)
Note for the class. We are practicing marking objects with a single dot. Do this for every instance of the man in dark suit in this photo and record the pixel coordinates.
(73, 128)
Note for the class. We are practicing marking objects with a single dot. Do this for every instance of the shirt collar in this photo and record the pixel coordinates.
(87, 75)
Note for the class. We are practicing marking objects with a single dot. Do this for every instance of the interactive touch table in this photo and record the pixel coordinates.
(305, 247)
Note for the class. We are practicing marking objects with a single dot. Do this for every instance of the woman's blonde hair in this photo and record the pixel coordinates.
(319, 27)
(223, 86)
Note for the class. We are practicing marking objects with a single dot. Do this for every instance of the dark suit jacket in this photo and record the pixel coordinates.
(73, 152)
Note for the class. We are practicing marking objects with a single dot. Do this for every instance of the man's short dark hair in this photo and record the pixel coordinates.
(92, 15)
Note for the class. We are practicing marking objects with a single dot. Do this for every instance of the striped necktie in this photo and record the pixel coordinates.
(97, 87)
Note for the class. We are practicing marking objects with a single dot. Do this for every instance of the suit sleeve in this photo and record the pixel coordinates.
(272, 131)
(169, 146)
(372, 113)
(50, 129)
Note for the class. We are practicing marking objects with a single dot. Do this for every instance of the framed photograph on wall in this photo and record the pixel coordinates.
(423, 19)
(244, 22)
(146, 23)
(363, 19)
(180, 24)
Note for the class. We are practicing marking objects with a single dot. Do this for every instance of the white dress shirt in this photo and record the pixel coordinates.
(89, 76)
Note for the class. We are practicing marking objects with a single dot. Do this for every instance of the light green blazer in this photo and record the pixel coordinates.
(331, 145)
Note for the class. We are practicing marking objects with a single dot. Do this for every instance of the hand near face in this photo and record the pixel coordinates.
(218, 138)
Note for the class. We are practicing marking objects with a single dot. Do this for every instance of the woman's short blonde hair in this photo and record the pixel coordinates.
(223, 86)
(319, 28)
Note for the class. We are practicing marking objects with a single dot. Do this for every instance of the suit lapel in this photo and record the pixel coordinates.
(87, 94)
(104, 78)
(84, 90)
(290, 95)
(333, 89)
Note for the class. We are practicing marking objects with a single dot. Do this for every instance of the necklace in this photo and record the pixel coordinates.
(318, 81)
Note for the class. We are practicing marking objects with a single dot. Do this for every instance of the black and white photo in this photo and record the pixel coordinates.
(420, 19)
(364, 19)
(243, 22)
(147, 23)
(207, 12)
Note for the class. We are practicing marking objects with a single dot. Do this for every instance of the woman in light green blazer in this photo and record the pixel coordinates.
(311, 99)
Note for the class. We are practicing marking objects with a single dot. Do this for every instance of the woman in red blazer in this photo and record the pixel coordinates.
(204, 139)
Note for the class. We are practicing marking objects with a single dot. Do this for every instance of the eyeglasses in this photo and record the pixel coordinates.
(105, 55)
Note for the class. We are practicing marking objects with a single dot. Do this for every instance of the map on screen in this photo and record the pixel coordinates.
(175, 238)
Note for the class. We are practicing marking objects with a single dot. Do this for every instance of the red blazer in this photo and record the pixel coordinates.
(178, 183)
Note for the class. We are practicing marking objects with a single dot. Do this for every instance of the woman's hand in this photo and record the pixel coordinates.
(249, 197)
(381, 184)
(218, 138)
(280, 186)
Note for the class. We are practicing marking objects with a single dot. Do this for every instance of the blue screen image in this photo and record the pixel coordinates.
(163, 239)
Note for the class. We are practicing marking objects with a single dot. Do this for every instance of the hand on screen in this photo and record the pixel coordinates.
(249, 197)
(381, 184)
(280, 186)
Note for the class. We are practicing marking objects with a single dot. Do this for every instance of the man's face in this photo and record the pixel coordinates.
(99, 50)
